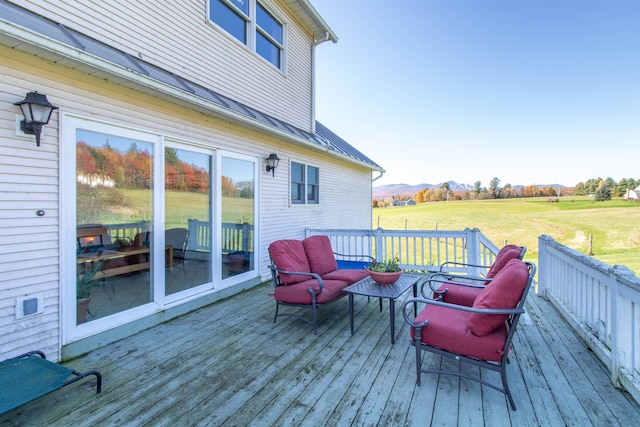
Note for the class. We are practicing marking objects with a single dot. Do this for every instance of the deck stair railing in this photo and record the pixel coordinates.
(420, 250)
(601, 302)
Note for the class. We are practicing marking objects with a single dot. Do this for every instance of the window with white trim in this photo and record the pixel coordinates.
(305, 184)
(253, 25)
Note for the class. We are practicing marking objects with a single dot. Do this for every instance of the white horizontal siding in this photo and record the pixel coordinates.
(178, 36)
(29, 175)
(345, 199)
(29, 253)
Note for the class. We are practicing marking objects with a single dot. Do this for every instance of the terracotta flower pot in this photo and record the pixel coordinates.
(385, 278)
(236, 262)
(82, 308)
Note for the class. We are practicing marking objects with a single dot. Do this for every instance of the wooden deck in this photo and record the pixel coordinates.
(228, 364)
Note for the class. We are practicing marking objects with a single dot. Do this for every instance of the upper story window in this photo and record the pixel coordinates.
(268, 36)
(253, 25)
(305, 184)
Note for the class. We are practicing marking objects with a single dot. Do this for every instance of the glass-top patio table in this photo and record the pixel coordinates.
(368, 287)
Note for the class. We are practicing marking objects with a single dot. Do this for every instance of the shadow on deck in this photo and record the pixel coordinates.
(228, 364)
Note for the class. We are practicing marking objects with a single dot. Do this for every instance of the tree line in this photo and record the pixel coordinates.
(108, 167)
(600, 189)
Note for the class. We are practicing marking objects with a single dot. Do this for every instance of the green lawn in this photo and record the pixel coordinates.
(182, 205)
(613, 226)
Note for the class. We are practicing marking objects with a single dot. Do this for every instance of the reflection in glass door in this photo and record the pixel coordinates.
(238, 215)
(113, 224)
(187, 200)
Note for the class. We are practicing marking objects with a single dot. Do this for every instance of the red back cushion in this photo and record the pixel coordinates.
(290, 255)
(320, 254)
(505, 255)
(504, 291)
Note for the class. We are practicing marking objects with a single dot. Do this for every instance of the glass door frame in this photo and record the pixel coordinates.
(208, 286)
(70, 122)
(255, 271)
(68, 223)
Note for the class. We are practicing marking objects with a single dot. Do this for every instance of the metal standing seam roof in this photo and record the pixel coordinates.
(323, 138)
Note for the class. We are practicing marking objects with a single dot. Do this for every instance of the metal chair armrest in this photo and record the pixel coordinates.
(409, 303)
(461, 264)
(275, 271)
(354, 256)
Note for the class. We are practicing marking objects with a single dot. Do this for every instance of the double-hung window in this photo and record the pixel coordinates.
(253, 25)
(305, 184)
(269, 42)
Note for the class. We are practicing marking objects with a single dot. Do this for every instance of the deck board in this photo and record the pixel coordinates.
(229, 364)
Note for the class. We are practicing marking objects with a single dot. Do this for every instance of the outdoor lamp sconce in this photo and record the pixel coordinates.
(272, 163)
(36, 110)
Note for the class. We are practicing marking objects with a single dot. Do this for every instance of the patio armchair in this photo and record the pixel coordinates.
(480, 335)
(305, 274)
(463, 289)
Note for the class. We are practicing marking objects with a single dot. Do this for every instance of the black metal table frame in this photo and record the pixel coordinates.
(367, 287)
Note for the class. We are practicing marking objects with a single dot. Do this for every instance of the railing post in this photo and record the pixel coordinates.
(621, 326)
(379, 243)
(544, 269)
(245, 237)
(191, 226)
(473, 249)
(613, 298)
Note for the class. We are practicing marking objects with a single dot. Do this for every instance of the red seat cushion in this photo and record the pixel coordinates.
(505, 255)
(504, 291)
(459, 294)
(298, 293)
(348, 275)
(290, 255)
(448, 330)
(320, 254)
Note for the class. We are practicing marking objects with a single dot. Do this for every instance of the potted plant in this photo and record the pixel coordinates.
(85, 282)
(237, 261)
(385, 272)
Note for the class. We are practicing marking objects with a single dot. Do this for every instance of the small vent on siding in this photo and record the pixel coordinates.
(28, 306)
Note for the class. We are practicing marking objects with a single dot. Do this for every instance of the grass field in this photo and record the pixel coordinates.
(181, 206)
(613, 226)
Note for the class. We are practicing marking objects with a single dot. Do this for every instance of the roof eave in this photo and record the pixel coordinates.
(24, 40)
(312, 19)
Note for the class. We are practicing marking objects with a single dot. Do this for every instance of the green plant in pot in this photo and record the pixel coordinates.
(385, 272)
(85, 282)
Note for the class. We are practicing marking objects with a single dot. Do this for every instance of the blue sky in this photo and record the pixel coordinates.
(528, 91)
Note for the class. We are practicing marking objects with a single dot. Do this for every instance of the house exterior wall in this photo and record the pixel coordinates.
(632, 194)
(29, 177)
(178, 37)
(345, 198)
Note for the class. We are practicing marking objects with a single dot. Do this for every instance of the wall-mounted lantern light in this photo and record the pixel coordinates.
(272, 163)
(36, 110)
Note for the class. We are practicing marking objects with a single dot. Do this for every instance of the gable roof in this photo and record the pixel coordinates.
(28, 32)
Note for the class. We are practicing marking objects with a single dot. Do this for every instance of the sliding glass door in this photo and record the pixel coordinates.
(149, 221)
(114, 219)
(187, 218)
(238, 205)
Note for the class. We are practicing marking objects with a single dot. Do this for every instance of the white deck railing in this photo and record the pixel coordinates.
(235, 237)
(423, 250)
(601, 302)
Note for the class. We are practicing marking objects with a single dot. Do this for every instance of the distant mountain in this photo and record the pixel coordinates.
(389, 190)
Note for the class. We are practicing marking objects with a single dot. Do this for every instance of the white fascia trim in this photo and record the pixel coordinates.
(318, 20)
